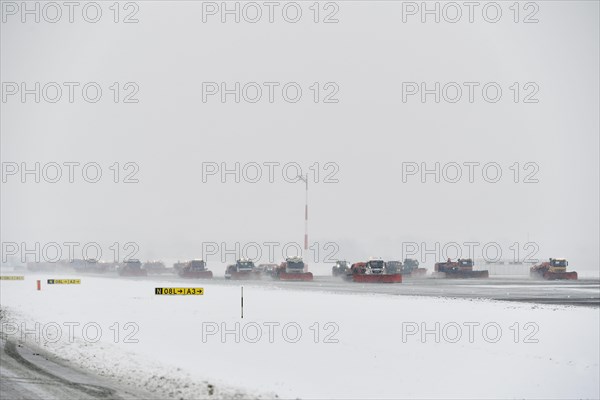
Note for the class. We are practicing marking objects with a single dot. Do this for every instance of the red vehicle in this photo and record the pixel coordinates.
(292, 270)
(373, 271)
(554, 269)
(243, 269)
(462, 268)
(195, 269)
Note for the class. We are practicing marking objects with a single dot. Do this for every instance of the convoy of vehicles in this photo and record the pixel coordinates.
(376, 270)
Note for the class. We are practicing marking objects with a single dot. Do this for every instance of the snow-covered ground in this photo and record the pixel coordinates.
(307, 344)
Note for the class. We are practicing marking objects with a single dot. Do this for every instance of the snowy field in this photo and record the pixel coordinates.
(307, 344)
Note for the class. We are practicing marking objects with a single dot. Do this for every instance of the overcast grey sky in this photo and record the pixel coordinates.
(369, 133)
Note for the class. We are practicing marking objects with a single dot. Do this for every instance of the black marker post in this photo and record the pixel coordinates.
(242, 302)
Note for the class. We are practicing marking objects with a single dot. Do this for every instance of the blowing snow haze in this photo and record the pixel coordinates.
(371, 60)
(177, 131)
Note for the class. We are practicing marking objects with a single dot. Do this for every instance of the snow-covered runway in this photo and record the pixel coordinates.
(308, 343)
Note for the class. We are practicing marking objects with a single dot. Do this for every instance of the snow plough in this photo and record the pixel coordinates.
(195, 269)
(460, 269)
(292, 269)
(266, 269)
(90, 266)
(373, 271)
(554, 269)
(132, 267)
(340, 268)
(154, 267)
(410, 267)
(178, 266)
(243, 269)
(394, 266)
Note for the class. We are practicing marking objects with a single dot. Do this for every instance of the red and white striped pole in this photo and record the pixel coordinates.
(305, 256)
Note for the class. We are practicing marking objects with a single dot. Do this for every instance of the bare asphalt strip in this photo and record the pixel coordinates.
(28, 373)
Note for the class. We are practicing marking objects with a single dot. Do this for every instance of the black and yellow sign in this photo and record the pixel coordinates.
(179, 291)
(64, 281)
(11, 278)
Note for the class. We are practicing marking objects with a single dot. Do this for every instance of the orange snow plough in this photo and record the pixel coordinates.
(292, 270)
(554, 269)
(195, 269)
(460, 269)
(373, 271)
